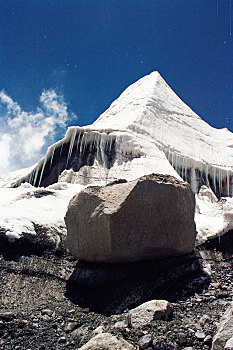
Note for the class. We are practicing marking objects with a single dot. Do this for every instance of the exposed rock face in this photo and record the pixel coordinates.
(225, 330)
(148, 218)
(152, 310)
(107, 341)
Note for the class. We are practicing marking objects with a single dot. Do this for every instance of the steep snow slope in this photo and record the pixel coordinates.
(148, 129)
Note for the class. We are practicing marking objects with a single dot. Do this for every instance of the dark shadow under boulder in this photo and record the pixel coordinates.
(113, 288)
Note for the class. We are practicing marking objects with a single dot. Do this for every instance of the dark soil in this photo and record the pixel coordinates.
(39, 309)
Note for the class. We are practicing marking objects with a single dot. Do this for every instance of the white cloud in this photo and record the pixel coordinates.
(10, 104)
(25, 136)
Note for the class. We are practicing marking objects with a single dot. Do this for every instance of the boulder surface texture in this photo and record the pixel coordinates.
(106, 341)
(145, 219)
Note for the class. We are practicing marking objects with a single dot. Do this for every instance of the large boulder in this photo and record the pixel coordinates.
(148, 218)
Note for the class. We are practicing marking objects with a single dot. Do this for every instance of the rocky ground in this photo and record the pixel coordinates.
(39, 311)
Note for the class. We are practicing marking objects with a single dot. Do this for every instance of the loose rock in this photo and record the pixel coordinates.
(208, 339)
(146, 313)
(106, 341)
(145, 341)
(200, 335)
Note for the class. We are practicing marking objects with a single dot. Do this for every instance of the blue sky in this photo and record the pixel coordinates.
(81, 54)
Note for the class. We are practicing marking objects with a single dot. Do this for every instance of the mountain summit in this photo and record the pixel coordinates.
(148, 128)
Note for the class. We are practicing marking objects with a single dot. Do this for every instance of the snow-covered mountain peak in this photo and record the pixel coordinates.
(149, 92)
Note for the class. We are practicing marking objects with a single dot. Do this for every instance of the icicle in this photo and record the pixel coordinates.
(207, 175)
(101, 149)
(183, 167)
(85, 141)
(193, 180)
(228, 184)
(185, 170)
(52, 154)
(219, 182)
(36, 174)
(231, 184)
(81, 144)
(91, 147)
(168, 154)
(71, 146)
(77, 143)
(98, 149)
(42, 170)
(214, 180)
(176, 161)
(31, 176)
(61, 150)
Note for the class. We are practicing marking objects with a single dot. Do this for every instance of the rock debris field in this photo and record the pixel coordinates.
(40, 308)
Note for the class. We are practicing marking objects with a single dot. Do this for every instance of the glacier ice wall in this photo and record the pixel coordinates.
(147, 129)
(197, 173)
(81, 148)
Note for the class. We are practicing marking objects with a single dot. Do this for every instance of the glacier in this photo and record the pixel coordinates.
(147, 129)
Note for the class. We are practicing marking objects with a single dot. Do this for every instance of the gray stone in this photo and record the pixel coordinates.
(145, 341)
(106, 341)
(62, 340)
(45, 318)
(121, 325)
(204, 321)
(148, 218)
(146, 313)
(208, 339)
(98, 330)
(70, 326)
(225, 329)
(200, 335)
(47, 312)
(80, 332)
(161, 343)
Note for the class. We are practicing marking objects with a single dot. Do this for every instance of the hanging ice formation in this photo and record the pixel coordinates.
(196, 173)
(77, 149)
(147, 129)
(81, 147)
